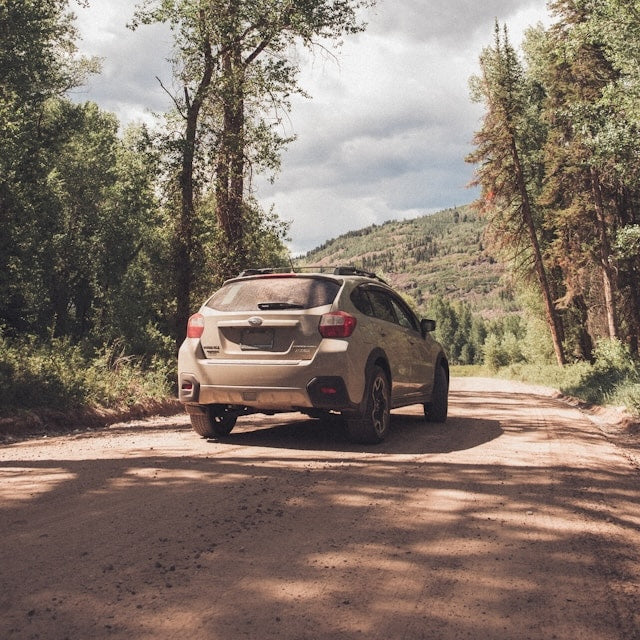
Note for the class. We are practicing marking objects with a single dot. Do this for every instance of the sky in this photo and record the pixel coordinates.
(388, 124)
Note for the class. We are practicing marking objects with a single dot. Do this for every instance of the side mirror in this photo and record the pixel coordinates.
(427, 326)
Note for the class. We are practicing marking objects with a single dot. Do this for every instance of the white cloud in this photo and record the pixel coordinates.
(389, 123)
(131, 61)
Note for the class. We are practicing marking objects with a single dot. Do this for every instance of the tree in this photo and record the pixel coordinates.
(90, 232)
(574, 73)
(81, 161)
(592, 180)
(38, 64)
(131, 300)
(508, 173)
(232, 60)
(460, 332)
(615, 24)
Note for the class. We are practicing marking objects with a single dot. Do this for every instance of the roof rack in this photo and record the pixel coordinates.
(342, 270)
(259, 272)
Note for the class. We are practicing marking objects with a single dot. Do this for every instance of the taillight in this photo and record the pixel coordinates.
(337, 324)
(195, 326)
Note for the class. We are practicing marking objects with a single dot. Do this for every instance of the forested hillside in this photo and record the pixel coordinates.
(442, 254)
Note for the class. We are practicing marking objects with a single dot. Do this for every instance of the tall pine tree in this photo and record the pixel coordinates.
(508, 172)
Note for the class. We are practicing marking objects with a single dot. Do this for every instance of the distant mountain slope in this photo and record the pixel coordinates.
(439, 254)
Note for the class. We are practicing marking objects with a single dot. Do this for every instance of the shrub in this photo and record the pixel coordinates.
(614, 373)
(61, 376)
(494, 354)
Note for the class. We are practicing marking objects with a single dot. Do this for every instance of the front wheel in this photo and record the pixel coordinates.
(216, 421)
(437, 409)
(372, 425)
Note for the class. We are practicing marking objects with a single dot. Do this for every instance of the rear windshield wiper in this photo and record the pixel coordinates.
(264, 306)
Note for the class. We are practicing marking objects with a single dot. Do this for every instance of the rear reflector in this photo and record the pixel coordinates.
(195, 326)
(337, 324)
(328, 391)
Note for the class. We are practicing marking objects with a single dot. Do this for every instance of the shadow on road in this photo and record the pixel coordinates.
(409, 434)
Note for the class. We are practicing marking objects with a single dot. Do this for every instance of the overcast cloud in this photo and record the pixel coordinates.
(389, 123)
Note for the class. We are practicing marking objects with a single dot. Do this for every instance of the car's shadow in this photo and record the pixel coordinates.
(409, 434)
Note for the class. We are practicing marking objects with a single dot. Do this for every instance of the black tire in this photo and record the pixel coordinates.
(437, 409)
(216, 422)
(373, 425)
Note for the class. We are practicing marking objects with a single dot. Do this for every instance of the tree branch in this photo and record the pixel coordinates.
(173, 99)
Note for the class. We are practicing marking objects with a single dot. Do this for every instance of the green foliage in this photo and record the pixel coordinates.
(494, 356)
(461, 334)
(503, 347)
(612, 370)
(37, 55)
(457, 284)
(37, 59)
(613, 378)
(627, 242)
(628, 396)
(537, 348)
(469, 339)
(59, 375)
(87, 249)
(82, 268)
(236, 70)
(570, 115)
(509, 169)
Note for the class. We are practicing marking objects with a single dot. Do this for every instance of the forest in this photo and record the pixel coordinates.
(558, 166)
(110, 235)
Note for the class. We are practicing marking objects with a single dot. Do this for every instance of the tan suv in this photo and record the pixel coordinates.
(338, 342)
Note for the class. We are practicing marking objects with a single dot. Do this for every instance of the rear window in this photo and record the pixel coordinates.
(262, 294)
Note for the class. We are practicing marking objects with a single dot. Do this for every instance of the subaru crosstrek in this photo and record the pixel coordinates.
(338, 342)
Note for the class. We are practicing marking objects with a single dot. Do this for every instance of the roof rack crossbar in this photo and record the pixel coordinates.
(341, 270)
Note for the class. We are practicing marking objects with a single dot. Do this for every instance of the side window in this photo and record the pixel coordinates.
(405, 317)
(382, 307)
(361, 301)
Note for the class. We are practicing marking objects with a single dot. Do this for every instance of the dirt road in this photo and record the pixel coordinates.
(519, 518)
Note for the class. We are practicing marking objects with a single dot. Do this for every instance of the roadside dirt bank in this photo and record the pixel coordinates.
(49, 422)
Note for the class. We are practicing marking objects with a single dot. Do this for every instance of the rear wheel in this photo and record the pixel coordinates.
(373, 425)
(437, 409)
(216, 421)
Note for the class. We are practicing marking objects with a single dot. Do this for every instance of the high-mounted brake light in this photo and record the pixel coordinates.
(337, 324)
(195, 326)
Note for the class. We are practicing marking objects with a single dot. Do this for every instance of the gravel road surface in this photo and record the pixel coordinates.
(517, 519)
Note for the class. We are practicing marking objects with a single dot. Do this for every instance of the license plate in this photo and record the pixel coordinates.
(257, 340)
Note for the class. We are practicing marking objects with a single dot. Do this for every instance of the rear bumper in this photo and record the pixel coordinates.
(327, 392)
(272, 386)
(257, 397)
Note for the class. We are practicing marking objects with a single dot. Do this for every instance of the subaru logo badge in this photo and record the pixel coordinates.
(255, 321)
